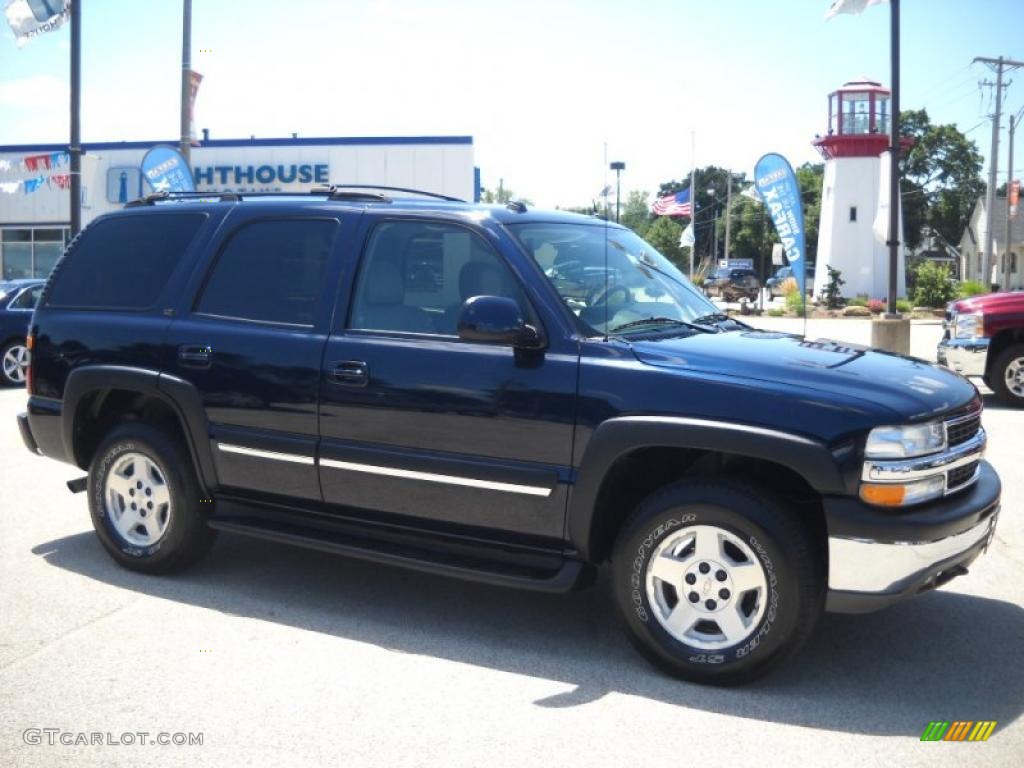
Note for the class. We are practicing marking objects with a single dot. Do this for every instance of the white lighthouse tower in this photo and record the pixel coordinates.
(854, 186)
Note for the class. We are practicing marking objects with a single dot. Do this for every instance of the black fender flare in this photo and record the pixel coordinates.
(617, 437)
(181, 396)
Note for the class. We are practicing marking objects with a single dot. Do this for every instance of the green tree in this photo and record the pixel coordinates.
(664, 234)
(940, 178)
(636, 213)
(501, 196)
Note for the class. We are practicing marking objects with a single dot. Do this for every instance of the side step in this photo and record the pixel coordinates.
(554, 574)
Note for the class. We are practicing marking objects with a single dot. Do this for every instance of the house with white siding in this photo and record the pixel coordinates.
(972, 245)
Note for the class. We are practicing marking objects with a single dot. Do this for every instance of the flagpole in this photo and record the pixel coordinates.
(693, 197)
(75, 147)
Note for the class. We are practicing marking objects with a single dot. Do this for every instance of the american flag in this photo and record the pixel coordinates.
(677, 204)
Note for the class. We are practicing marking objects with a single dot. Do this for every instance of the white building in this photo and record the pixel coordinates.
(972, 245)
(34, 225)
(855, 185)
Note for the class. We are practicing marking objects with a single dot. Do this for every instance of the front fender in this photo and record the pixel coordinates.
(615, 438)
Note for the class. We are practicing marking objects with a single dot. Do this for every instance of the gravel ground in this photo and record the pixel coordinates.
(285, 657)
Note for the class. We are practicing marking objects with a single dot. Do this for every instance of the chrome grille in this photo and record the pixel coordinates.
(962, 429)
(961, 476)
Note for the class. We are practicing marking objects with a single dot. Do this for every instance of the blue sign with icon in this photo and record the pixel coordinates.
(780, 192)
(166, 171)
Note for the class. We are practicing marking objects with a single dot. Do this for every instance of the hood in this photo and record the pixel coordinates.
(990, 302)
(908, 387)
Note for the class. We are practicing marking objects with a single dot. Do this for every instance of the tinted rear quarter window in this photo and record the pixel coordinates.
(122, 262)
(270, 271)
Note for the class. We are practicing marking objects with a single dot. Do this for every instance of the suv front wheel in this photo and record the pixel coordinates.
(145, 501)
(716, 582)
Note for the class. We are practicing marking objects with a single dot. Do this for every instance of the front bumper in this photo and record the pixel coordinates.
(965, 356)
(877, 558)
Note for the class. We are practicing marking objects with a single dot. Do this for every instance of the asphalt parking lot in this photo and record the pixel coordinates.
(286, 657)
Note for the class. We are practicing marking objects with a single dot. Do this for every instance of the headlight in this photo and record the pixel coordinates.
(970, 326)
(907, 441)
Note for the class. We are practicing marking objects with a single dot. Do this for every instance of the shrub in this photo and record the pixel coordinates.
(832, 294)
(860, 300)
(933, 288)
(903, 305)
(969, 288)
(776, 312)
(789, 286)
(795, 302)
(877, 306)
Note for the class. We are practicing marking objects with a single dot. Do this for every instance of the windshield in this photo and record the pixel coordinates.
(722, 272)
(638, 284)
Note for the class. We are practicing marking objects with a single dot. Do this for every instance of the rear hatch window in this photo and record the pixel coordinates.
(122, 262)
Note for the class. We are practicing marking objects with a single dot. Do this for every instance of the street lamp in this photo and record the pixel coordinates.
(618, 166)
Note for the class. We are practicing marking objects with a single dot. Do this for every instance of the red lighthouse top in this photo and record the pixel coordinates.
(858, 121)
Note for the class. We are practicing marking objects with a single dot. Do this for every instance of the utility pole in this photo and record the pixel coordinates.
(1014, 121)
(185, 144)
(75, 146)
(1000, 65)
(728, 217)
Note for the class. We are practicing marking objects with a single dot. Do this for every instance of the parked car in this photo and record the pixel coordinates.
(984, 336)
(774, 283)
(266, 366)
(732, 284)
(17, 300)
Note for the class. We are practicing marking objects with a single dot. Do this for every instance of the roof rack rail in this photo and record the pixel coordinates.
(155, 197)
(516, 205)
(339, 189)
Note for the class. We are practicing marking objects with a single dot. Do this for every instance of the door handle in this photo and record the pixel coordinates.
(349, 373)
(195, 356)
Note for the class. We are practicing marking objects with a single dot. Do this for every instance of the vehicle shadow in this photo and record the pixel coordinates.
(942, 656)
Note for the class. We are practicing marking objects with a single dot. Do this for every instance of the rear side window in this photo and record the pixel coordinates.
(122, 262)
(271, 271)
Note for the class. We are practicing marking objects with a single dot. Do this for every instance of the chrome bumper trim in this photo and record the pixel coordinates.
(905, 470)
(965, 356)
(858, 565)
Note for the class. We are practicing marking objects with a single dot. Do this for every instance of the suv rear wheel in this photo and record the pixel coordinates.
(716, 582)
(144, 500)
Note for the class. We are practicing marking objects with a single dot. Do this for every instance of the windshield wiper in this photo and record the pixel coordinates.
(654, 321)
(715, 319)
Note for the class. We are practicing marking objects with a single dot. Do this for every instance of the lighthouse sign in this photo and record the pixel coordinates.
(778, 188)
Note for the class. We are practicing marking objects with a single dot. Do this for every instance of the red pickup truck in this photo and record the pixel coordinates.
(985, 337)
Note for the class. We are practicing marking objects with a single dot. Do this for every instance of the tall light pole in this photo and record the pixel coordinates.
(75, 146)
(894, 159)
(618, 166)
(728, 203)
(185, 144)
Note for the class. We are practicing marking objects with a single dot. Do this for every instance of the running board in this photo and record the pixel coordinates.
(561, 575)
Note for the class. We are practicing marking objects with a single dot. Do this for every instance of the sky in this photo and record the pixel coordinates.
(543, 87)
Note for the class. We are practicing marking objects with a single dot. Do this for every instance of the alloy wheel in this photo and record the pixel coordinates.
(706, 587)
(137, 499)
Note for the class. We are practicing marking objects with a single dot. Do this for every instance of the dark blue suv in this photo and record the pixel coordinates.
(500, 394)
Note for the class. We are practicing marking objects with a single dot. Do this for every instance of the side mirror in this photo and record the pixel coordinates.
(497, 320)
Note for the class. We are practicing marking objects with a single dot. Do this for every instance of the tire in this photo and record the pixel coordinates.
(13, 361)
(739, 527)
(1007, 375)
(137, 463)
